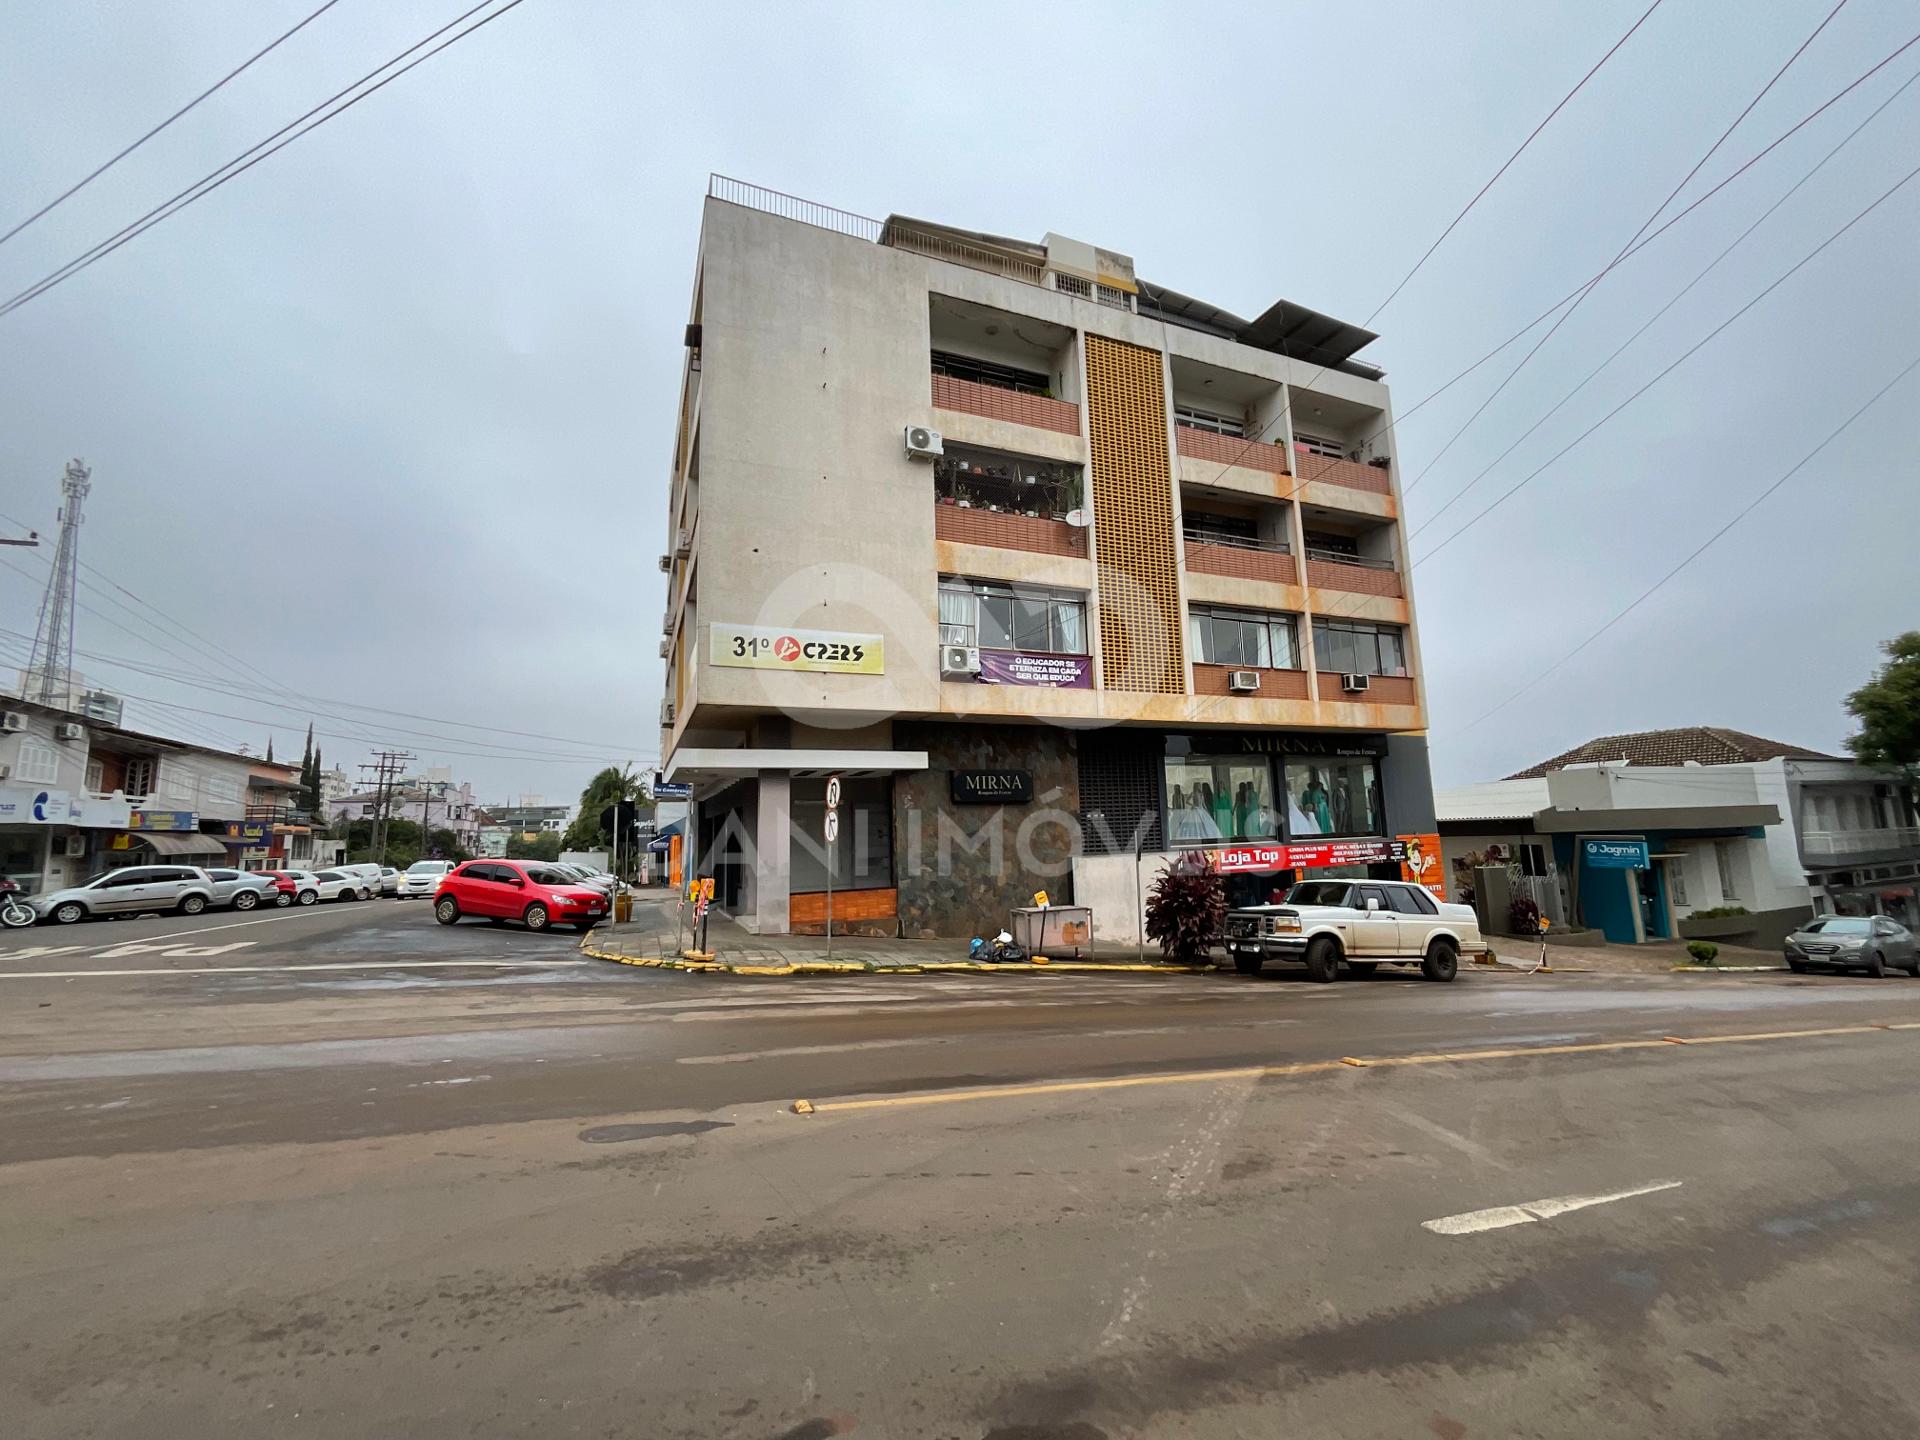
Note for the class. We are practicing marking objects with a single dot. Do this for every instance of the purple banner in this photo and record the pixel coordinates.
(1024, 667)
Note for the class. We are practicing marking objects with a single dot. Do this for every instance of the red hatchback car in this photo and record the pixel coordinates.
(524, 890)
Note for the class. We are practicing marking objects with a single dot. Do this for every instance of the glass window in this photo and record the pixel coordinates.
(139, 777)
(1333, 795)
(863, 853)
(37, 762)
(1321, 892)
(959, 613)
(96, 775)
(1247, 638)
(1723, 853)
(1215, 798)
(1207, 420)
(1002, 617)
(1349, 648)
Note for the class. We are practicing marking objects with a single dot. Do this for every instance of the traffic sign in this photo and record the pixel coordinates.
(833, 826)
(833, 793)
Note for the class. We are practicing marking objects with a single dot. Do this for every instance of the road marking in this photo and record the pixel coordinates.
(1313, 1067)
(1472, 1222)
(744, 1056)
(279, 969)
(294, 913)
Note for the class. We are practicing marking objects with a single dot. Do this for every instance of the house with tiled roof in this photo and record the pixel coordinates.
(1757, 833)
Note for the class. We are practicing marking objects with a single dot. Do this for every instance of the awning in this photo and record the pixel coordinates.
(162, 843)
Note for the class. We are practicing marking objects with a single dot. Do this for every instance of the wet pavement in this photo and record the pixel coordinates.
(477, 1186)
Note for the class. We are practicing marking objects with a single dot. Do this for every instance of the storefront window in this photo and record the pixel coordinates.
(1214, 798)
(862, 856)
(1333, 795)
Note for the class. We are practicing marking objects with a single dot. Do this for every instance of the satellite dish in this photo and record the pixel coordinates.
(1077, 518)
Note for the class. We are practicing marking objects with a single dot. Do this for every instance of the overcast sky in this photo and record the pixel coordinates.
(390, 416)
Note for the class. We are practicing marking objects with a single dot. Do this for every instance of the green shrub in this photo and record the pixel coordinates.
(1720, 912)
(1704, 951)
(1185, 909)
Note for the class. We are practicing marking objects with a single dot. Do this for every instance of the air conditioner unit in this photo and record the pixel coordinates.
(959, 660)
(76, 847)
(1243, 682)
(924, 444)
(1356, 684)
(666, 712)
(666, 624)
(13, 720)
(6, 772)
(666, 649)
(666, 564)
(71, 730)
(683, 545)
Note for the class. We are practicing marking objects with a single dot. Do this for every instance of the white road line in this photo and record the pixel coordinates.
(294, 914)
(279, 969)
(744, 1056)
(1472, 1222)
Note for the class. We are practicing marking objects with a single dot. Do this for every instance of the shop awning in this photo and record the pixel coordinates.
(164, 844)
(699, 765)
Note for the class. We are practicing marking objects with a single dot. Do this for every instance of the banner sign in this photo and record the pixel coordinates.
(991, 787)
(1045, 672)
(772, 647)
(1422, 864)
(163, 820)
(1308, 855)
(671, 789)
(27, 805)
(1615, 854)
(251, 833)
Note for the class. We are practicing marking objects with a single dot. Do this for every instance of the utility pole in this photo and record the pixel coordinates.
(386, 766)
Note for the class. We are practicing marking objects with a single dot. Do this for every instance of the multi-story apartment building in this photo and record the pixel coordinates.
(1049, 564)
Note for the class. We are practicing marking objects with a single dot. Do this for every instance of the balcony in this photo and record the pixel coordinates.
(1353, 574)
(1017, 407)
(1318, 467)
(1200, 444)
(966, 525)
(1211, 553)
(1274, 684)
(1381, 690)
(280, 814)
(1851, 844)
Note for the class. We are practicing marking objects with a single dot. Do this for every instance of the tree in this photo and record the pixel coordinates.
(609, 787)
(544, 846)
(1888, 709)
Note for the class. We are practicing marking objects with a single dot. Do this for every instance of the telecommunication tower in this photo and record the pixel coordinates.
(50, 670)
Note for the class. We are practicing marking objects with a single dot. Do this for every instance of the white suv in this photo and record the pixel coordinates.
(1356, 923)
(365, 877)
(423, 877)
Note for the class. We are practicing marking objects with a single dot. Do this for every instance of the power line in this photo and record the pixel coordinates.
(1708, 543)
(1532, 135)
(100, 170)
(1626, 249)
(207, 184)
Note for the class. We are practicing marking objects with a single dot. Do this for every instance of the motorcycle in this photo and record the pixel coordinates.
(15, 913)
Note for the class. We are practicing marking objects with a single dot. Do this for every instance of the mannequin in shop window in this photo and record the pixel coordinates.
(1317, 804)
(1342, 805)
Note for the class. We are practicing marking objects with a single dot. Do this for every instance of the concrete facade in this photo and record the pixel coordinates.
(798, 519)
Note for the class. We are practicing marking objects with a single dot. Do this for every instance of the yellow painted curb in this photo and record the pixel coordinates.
(705, 961)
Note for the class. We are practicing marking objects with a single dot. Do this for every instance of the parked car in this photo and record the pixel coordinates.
(306, 886)
(283, 886)
(339, 885)
(132, 890)
(533, 892)
(389, 880)
(1357, 923)
(366, 876)
(239, 889)
(422, 877)
(599, 879)
(1874, 944)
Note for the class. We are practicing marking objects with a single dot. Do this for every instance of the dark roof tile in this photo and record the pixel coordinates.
(1693, 744)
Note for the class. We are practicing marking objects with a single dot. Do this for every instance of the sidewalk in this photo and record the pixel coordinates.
(650, 940)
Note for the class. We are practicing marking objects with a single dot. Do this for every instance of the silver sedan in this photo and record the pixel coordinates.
(1871, 943)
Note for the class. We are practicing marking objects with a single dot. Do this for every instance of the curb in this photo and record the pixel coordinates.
(1730, 969)
(926, 967)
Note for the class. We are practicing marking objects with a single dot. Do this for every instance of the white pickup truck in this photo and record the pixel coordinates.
(1356, 923)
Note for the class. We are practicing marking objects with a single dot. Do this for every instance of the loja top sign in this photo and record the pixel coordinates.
(773, 647)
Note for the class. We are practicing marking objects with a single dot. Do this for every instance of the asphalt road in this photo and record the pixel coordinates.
(345, 1172)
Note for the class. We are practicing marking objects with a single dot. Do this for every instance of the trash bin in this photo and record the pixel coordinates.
(1053, 930)
(623, 906)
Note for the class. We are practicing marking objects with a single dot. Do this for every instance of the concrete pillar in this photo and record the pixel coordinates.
(773, 858)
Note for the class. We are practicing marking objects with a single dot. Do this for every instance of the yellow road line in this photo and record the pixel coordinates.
(1312, 1067)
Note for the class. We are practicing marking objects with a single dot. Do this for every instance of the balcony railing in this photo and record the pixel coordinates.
(1332, 470)
(963, 525)
(1354, 574)
(1841, 844)
(1239, 558)
(1041, 411)
(280, 814)
(1231, 450)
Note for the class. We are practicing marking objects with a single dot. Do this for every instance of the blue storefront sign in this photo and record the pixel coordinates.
(672, 790)
(1615, 854)
(163, 820)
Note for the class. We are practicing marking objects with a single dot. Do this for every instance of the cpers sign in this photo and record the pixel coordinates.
(772, 647)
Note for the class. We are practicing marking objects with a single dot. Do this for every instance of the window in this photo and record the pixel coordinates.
(96, 775)
(221, 787)
(137, 779)
(1204, 420)
(1006, 484)
(1677, 881)
(1244, 638)
(1002, 617)
(1351, 648)
(1205, 525)
(1333, 795)
(1410, 900)
(1723, 854)
(1322, 892)
(1320, 445)
(37, 761)
(985, 372)
(1215, 798)
(1375, 894)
